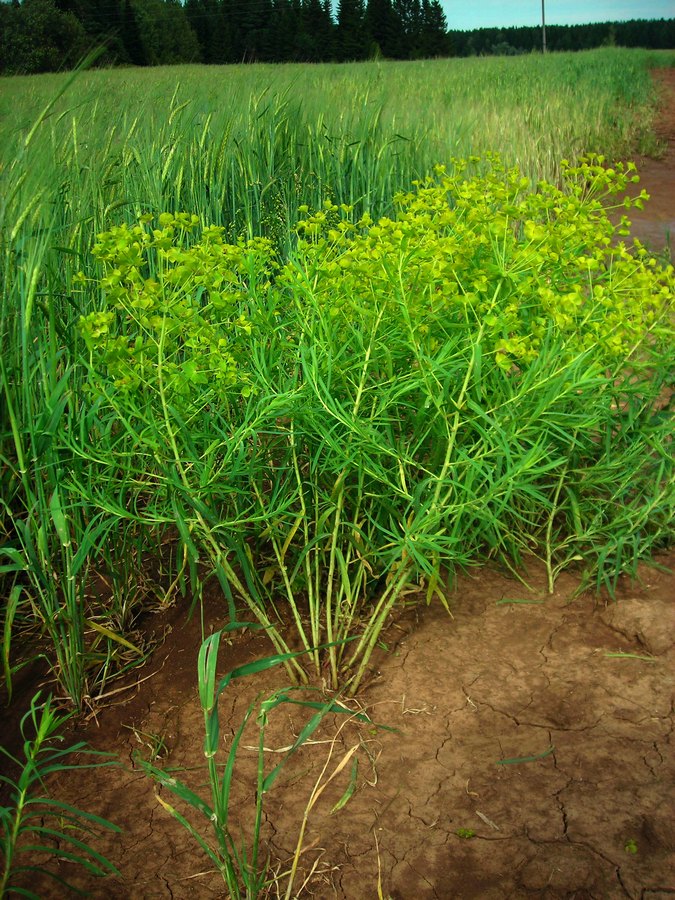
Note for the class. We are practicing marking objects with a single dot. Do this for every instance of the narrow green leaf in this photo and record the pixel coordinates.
(525, 759)
(10, 613)
(59, 519)
(112, 636)
(517, 600)
(351, 787)
(630, 656)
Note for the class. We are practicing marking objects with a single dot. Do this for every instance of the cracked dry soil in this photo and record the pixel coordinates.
(473, 698)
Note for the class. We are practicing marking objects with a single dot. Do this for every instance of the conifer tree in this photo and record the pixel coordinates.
(318, 28)
(384, 29)
(207, 22)
(351, 37)
(409, 14)
(131, 36)
(434, 29)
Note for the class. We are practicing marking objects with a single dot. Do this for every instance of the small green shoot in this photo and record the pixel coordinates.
(36, 823)
(525, 759)
(516, 600)
(630, 656)
(155, 744)
(239, 861)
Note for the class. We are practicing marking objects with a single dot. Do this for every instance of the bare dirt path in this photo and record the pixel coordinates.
(655, 225)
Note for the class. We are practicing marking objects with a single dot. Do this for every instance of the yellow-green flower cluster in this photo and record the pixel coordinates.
(483, 244)
(473, 246)
(176, 307)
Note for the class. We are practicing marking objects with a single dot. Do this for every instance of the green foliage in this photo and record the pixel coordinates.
(244, 148)
(299, 461)
(531, 263)
(37, 824)
(461, 381)
(237, 858)
(37, 36)
(157, 326)
(654, 33)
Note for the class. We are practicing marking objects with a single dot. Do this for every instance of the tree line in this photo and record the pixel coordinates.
(654, 34)
(49, 35)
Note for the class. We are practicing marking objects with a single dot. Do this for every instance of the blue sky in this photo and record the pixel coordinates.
(466, 14)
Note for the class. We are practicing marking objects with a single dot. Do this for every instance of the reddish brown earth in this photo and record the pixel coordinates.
(501, 680)
(655, 225)
(531, 757)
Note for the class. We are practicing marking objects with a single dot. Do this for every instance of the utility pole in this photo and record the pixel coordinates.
(543, 26)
